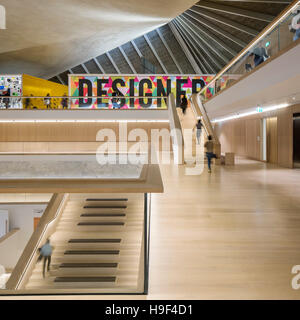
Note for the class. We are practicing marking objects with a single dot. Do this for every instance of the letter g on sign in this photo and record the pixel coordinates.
(2, 17)
(296, 278)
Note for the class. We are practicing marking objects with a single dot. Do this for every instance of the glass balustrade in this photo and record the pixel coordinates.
(82, 103)
(273, 40)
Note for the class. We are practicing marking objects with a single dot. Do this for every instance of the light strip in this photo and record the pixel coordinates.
(245, 114)
(76, 121)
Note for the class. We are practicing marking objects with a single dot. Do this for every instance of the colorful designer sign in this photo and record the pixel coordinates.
(146, 86)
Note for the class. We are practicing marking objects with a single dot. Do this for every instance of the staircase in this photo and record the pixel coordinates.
(97, 246)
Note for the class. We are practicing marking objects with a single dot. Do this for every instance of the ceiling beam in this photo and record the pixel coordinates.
(207, 56)
(155, 53)
(60, 79)
(127, 60)
(207, 43)
(210, 64)
(99, 66)
(85, 68)
(136, 49)
(206, 67)
(235, 11)
(113, 62)
(225, 21)
(168, 49)
(215, 28)
(184, 48)
(210, 35)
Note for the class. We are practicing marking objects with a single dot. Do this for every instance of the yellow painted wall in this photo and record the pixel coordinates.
(36, 87)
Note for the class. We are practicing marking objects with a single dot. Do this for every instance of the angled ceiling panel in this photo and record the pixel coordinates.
(202, 39)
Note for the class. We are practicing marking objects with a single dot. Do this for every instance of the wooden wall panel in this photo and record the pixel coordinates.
(240, 135)
(62, 137)
(272, 140)
(224, 131)
(66, 132)
(253, 138)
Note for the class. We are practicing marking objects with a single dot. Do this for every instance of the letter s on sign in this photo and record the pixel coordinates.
(295, 280)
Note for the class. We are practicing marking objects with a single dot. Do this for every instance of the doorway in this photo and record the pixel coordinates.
(272, 140)
(296, 140)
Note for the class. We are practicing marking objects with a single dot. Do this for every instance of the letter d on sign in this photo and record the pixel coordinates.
(296, 279)
(2, 18)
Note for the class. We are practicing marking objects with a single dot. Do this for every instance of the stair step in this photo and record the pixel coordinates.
(88, 265)
(94, 241)
(91, 252)
(85, 279)
(103, 215)
(94, 223)
(105, 207)
(108, 199)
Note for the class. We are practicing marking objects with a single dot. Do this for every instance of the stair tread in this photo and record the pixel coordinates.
(107, 199)
(105, 207)
(102, 223)
(94, 240)
(85, 279)
(88, 265)
(103, 215)
(92, 252)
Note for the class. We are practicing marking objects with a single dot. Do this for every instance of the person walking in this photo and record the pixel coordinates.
(115, 101)
(47, 101)
(45, 253)
(64, 102)
(260, 55)
(184, 104)
(295, 25)
(209, 146)
(198, 127)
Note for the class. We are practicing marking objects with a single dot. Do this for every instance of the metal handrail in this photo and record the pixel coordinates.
(261, 35)
(85, 97)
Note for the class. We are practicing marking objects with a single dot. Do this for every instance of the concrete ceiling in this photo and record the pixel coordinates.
(201, 40)
(44, 37)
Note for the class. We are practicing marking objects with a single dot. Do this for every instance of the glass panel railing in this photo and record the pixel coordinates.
(275, 38)
(83, 103)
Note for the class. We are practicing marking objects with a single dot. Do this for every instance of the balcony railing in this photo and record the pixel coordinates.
(83, 103)
(274, 39)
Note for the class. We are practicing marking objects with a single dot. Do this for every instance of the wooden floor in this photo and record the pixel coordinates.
(231, 234)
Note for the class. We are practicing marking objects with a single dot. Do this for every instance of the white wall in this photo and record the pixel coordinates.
(20, 216)
(269, 84)
(89, 115)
